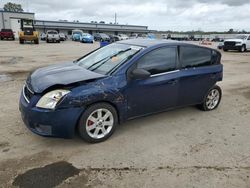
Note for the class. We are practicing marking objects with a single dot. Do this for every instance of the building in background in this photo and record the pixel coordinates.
(11, 20)
(66, 27)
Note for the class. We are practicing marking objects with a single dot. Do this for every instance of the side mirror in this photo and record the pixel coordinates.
(140, 74)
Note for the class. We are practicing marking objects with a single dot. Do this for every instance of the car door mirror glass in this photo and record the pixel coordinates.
(140, 74)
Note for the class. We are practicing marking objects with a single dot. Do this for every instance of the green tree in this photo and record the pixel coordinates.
(13, 7)
(231, 31)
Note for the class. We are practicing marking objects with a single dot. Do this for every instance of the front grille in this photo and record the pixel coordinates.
(229, 43)
(28, 31)
(27, 93)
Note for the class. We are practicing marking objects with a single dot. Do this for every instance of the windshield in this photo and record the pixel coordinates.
(27, 23)
(6, 30)
(52, 32)
(103, 35)
(86, 35)
(77, 33)
(241, 37)
(106, 59)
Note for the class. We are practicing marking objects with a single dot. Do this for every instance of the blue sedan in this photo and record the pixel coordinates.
(119, 82)
(87, 38)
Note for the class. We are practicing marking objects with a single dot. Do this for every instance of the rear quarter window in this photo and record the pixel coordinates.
(195, 57)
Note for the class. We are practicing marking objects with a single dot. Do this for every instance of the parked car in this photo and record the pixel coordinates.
(220, 45)
(133, 36)
(62, 37)
(101, 37)
(217, 39)
(240, 42)
(151, 36)
(76, 35)
(43, 36)
(52, 36)
(87, 38)
(113, 38)
(119, 82)
(139, 35)
(7, 34)
(123, 37)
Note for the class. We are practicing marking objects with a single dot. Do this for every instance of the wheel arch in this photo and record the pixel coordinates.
(97, 102)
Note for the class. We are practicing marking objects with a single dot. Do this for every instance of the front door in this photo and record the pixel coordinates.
(160, 90)
(248, 43)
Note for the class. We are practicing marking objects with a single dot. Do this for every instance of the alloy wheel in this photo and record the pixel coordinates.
(99, 123)
(213, 99)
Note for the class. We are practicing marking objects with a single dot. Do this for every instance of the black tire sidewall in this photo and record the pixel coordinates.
(243, 48)
(82, 122)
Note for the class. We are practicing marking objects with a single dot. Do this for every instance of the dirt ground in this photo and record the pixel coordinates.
(180, 148)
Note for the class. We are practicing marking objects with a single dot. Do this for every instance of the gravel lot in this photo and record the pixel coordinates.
(180, 148)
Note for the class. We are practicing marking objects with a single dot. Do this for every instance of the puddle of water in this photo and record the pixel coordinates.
(10, 60)
(48, 176)
(5, 78)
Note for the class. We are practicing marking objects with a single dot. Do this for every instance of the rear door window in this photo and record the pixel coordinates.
(195, 57)
(159, 61)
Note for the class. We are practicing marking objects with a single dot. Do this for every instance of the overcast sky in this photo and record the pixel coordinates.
(181, 15)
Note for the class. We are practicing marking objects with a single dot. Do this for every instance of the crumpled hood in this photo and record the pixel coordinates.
(62, 74)
(234, 40)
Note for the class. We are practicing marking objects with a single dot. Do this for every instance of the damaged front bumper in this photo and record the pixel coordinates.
(59, 123)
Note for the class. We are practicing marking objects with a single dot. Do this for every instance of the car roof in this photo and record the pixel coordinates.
(149, 42)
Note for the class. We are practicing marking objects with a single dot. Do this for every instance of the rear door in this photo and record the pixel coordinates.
(200, 69)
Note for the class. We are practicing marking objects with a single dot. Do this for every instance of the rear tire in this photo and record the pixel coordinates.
(212, 99)
(98, 123)
(225, 50)
(36, 41)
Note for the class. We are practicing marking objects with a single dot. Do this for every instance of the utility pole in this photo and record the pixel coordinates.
(115, 17)
(27, 5)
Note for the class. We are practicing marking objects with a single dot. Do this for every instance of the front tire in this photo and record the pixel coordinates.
(243, 48)
(98, 123)
(212, 99)
(21, 41)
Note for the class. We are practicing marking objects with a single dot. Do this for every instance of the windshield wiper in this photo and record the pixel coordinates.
(129, 57)
(97, 63)
(101, 63)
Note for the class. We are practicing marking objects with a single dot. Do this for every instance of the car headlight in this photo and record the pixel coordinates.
(238, 42)
(51, 99)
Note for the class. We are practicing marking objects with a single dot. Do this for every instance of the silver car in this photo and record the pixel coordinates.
(52, 36)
